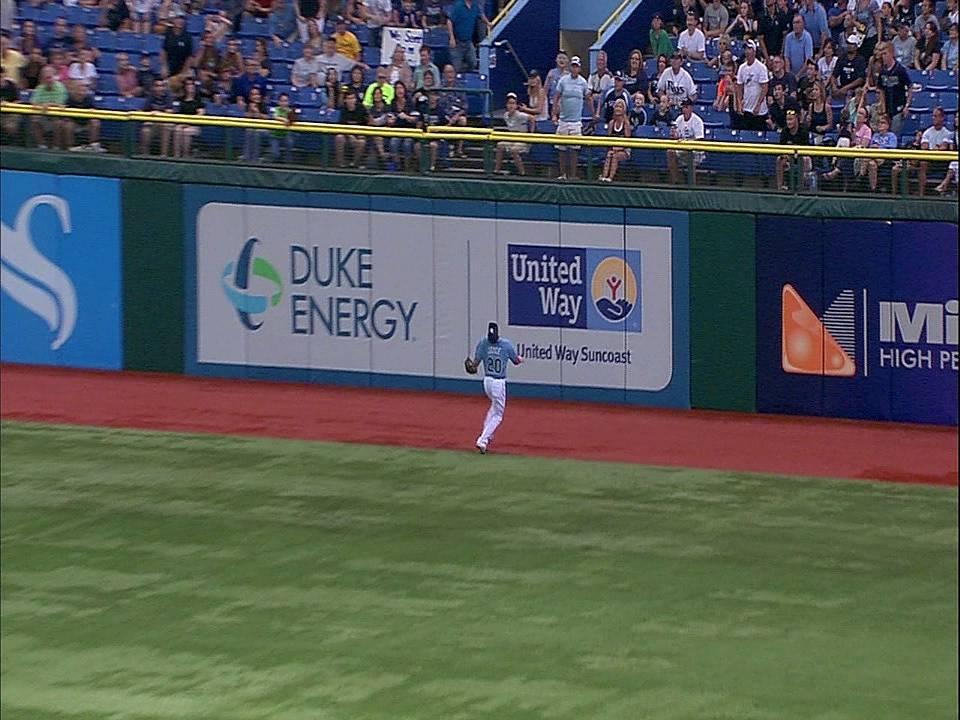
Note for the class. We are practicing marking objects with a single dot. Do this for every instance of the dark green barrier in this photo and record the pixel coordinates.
(152, 276)
(723, 335)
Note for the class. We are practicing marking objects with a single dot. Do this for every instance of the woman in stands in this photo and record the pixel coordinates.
(724, 54)
(743, 24)
(927, 54)
(356, 84)
(256, 109)
(827, 61)
(818, 115)
(379, 116)
(618, 127)
(537, 105)
(331, 84)
(399, 70)
(635, 78)
(663, 62)
(190, 104)
(404, 116)
(262, 55)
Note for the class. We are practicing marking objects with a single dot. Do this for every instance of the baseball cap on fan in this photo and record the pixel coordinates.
(575, 60)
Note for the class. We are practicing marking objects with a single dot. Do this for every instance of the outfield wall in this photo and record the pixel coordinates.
(748, 311)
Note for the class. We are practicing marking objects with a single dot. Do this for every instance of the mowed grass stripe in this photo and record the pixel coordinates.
(156, 575)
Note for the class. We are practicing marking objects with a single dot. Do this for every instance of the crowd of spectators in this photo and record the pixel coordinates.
(807, 72)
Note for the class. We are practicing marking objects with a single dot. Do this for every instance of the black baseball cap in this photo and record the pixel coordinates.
(676, 54)
(618, 75)
(493, 332)
(687, 103)
(657, 16)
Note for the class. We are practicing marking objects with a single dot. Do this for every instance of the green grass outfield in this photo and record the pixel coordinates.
(150, 575)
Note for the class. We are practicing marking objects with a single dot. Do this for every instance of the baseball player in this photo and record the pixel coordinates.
(493, 353)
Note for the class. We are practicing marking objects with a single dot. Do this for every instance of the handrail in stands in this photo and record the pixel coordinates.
(483, 135)
(614, 16)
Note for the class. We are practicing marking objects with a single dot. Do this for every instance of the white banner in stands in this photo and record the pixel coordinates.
(410, 39)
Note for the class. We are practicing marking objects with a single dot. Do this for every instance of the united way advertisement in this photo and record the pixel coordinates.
(858, 319)
(60, 270)
(397, 291)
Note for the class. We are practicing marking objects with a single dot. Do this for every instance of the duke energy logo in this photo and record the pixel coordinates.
(250, 297)
(583, 288)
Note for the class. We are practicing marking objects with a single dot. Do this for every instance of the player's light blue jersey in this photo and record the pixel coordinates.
(495, 357)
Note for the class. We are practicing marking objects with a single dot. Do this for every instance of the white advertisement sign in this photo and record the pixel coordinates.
(290, 287)
(410, 39)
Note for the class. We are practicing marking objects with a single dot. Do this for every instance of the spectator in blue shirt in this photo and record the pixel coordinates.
(815, 21)
(283, 22)
(797, 47)
(241, 87)
(462, 26)
(882, 139)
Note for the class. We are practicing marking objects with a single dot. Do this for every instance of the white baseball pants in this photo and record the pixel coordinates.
(496, 390)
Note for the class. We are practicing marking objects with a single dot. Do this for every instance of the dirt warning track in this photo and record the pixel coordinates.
(701, 439)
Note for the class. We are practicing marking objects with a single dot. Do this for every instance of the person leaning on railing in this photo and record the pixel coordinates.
(191, 105)
(688, 126)
(379, 116)
(403, 115)
(9, 93)
(797, 135)
(352, 113)
(516, 122)
(80, 97)
(936, 137)
(50, 93)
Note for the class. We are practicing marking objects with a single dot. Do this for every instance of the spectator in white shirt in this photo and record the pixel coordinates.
(936, 137)
(516, 122)
(84, 71)
(688, 126)
(306, 70)
(692, 44)
(676, 82)
(752, 81)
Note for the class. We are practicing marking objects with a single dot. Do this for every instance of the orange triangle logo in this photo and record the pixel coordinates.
(807, 346)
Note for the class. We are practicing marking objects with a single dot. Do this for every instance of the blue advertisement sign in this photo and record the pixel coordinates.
(857, 319)
(60, 270)
(571, 287)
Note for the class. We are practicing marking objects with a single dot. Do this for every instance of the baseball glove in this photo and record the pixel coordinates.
(470, 366)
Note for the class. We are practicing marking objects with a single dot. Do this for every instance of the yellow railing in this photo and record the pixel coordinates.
(503, 13)
(484, 135)
(612, 19)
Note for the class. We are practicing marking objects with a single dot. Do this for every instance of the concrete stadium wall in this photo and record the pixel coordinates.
(742, 311)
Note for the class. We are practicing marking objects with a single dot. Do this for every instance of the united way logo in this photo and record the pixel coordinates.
(570, 287)
(252, 285)
(31, 279)
(614, 289)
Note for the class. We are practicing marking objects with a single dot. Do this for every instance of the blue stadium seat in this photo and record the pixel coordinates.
(371, 56)
(195, 24)
(277, 52)
(706, 94)
(113, 102)
(248, 45)
(923, 101)
(129, 42)
(280, 72)
(104, 40)
(701, 73)
(917, 77)
(713, 118)
(940, 81)
(362, 32)
(51, 12)
(106, 63)
(650, 67)
(948, 101)
(436, 38)
(310, 115)
(27, 12)
(295, 50)
(254, 27)
(912, 123)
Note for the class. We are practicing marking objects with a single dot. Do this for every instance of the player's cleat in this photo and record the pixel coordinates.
(482, 449)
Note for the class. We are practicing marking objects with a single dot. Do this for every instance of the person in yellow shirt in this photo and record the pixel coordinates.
(11, 60)
(347, 43)
(382, 82)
